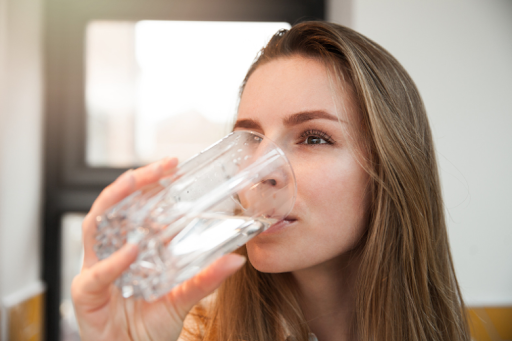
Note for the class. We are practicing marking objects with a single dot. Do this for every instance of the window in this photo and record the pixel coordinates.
(164, 88)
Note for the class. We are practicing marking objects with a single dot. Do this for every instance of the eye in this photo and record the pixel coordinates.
(314, 140)
(315, 137)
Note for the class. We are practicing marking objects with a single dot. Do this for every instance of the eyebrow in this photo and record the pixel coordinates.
(292, 120)
(302, 117)
(247, 124)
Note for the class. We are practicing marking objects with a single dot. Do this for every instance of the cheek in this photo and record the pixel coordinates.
(335, 197)
(332, 206)
(332, 184)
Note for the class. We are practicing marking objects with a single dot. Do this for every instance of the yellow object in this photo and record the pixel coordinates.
(26, 320)
(491, 323)
(477, 326)
(501, 318)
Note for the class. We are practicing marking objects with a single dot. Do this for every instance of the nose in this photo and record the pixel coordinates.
(277, 178)
(272, 191)
(271, 182)
(269, 197)
(274, 173)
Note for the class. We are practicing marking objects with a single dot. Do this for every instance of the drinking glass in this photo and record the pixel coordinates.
(211, 205)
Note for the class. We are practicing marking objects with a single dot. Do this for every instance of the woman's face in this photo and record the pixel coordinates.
(291, 101)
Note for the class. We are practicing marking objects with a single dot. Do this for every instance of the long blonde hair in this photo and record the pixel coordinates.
(406, 285)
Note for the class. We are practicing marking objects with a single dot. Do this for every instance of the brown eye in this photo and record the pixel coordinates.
(314, 140)
(315, 137)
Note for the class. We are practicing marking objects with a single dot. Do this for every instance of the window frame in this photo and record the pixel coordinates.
(69, 184)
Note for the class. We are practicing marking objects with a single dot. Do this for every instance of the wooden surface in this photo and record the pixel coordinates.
(491, 323)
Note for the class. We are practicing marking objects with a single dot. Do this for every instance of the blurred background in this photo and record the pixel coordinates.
(89, 89)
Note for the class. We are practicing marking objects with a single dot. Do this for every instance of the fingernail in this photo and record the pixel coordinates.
(239, 260)
(131, 248)
(170, 161)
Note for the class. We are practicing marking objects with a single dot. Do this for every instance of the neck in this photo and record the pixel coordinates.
(328, 297)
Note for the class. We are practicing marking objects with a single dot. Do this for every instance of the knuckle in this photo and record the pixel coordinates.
(107, 191)
(104, 192)
(176, 310)
(95, 276)
(76, 287)
(89, 222)
(201, 285)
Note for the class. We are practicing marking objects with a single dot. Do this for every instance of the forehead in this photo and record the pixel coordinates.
(286, 86)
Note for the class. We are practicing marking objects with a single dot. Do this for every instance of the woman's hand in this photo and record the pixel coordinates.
(101, 311)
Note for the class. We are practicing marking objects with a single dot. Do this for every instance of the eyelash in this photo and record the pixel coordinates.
(316, 133)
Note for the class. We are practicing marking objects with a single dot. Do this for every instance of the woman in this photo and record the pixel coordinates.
(364, 254)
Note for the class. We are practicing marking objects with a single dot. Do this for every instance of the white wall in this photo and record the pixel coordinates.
(459, 53)
(20, 144)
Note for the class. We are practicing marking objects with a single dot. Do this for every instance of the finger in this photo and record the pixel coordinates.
(186, 295)
(129, 182)
(91, 287)
(113, 193)
(126, 184)
(89, 240)
(169, 165)
(120, 188)
(153, 172)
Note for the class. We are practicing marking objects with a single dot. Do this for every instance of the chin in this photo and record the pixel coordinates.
(264, 260)
(266, 267)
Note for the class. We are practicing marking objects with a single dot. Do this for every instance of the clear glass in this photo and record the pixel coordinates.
(157, 88)
(213, 204)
